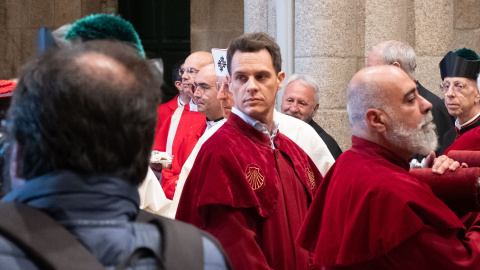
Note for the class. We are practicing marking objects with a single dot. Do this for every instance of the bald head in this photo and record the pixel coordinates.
(384, 107)
(193, 64)
(198, 60)
(393, 52)
(370, 88)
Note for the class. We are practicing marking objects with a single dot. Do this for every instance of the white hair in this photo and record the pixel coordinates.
(396, 51)
(308, 81)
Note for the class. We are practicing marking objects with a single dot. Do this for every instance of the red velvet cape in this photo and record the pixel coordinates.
(368, 205)
(470, 140)
(232, 163)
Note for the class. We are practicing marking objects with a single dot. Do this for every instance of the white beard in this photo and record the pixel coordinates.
(421, 140)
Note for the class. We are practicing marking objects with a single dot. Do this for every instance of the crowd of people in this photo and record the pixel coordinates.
(263, 189)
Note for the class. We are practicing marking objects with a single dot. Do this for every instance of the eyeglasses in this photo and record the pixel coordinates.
(225, 88)
(190, 71)
(457, 87)
(201, 88)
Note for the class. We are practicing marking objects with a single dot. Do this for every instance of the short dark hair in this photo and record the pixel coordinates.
(255, 42)
(71, 115)
(175, 71)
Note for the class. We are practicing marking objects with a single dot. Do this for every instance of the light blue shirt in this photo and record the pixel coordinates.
(257, 125)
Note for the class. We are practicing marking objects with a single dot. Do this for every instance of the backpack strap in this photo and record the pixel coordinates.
(44, 241)
(182, 243)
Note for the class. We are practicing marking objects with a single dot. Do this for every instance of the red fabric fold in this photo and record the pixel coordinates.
(367, 205)
(457, 189)
(472, 158)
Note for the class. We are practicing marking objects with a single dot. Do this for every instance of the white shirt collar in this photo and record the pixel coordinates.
(212, 123)
(193, 106)
(257, 124)
(457, 124)
(180, 102)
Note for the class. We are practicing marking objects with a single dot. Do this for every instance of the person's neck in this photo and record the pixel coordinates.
(184, 98)
(462, 119)
(379, 139)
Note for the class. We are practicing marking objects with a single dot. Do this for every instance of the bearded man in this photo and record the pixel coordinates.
(370, 212)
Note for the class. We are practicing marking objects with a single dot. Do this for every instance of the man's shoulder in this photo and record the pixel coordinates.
(169, 105)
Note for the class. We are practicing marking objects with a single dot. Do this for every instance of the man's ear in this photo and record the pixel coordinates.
(396, 64)
(477, 97)
(229, 79)
(376, 120)
(315, 109)
(280, 78)
(178, 85)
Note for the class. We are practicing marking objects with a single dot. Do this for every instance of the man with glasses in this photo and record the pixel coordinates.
(185, 119)
(192, 66)
(206, 97)
(459, 71)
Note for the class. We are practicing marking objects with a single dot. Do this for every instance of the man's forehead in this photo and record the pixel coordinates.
(299, 88)
(242, 60)
(206, 75)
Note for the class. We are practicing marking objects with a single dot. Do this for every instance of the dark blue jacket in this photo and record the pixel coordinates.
(99, 211)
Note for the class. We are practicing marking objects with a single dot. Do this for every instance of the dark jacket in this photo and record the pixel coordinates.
(329, 141)
(99, 210)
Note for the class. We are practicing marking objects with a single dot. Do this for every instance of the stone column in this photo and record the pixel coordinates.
(388, 19)
(215, 23)
(326, 48)
(260, 16)
(466, 28)
(433, 39)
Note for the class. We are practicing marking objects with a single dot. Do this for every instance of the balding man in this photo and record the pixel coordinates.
(206, 97)
(185, 119)
(402, 55)
(191, 67)
(369, 212)
(301, 99)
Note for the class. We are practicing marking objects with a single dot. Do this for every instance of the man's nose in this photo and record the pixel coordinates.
(221, 94)
(425, 105)
(252, 84)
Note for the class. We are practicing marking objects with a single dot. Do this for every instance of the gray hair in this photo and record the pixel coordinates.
(308, 81)
(361, 97)
(396, 51)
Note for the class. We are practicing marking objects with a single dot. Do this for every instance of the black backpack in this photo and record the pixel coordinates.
(50, 246)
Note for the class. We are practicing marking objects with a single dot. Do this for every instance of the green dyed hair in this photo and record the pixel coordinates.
(105, 26)
(467, 54)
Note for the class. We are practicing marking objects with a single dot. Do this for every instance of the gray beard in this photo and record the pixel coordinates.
(421, 140)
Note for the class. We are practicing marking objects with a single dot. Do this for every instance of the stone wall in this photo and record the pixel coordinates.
(21, 19)
(214, 23)
(332, 36)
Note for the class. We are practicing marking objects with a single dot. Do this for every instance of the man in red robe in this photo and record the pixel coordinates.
(369, 212)
(208, 105)
(179, 118)
(251, 186)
